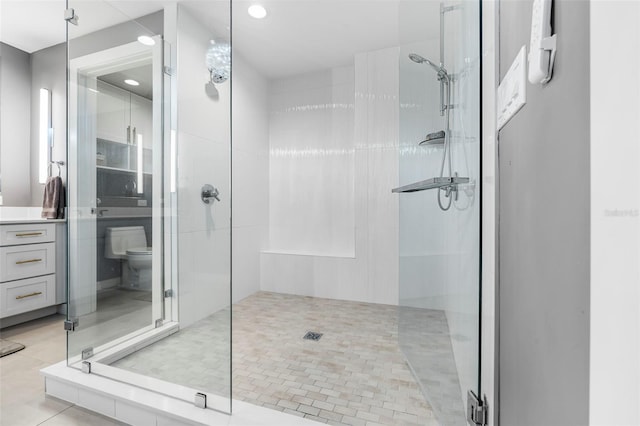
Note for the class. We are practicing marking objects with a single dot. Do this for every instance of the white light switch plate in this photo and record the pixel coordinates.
(512, 92)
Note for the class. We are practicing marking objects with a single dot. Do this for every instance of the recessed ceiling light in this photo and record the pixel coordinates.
(257, 11)
(146, 40)
(132, 82)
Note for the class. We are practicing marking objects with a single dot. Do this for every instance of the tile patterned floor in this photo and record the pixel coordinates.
(119, 313)
(354, 375)
(22, 398)
(426, 341)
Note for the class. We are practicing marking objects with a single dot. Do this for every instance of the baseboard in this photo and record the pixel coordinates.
(28, 316)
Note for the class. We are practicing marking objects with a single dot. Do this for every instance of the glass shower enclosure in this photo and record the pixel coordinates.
(144, 296)
(439, 235)
(149, 155)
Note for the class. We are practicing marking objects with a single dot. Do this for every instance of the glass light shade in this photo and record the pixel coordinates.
(218, 61)
(257, 11)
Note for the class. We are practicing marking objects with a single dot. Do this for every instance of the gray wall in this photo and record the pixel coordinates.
(15, 113)
(544, 230)
(21, 77)
(48, 71)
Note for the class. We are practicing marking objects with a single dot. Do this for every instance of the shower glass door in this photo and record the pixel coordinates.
(115, 180)
(149, 250)
(440, 227)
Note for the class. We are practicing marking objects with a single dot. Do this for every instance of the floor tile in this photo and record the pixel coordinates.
(355, 367)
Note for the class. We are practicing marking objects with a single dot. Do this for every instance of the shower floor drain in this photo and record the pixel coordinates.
(312, 335)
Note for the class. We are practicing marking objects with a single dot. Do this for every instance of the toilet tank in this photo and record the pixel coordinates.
(118, 240)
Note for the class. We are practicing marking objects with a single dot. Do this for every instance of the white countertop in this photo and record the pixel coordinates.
(16, 215)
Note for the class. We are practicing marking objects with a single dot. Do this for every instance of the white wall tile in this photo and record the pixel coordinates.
(167, 421)
(61, 390)
(283, 273)
(133, 415)
(96, 402)
(198, 114)
(248, 241)
(250, 160)
(311, 164)
(333, 163)
(250, 189)
(200, 162)
(203, 158)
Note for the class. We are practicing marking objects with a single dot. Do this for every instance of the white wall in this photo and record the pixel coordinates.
(615, 228)
(250, 169)
(311, 173)
(333, 218)
(203, 141)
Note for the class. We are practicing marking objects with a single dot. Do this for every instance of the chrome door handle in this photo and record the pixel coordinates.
(208, 193)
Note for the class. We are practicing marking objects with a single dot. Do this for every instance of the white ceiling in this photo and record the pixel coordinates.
(297, 36)
(32, 25)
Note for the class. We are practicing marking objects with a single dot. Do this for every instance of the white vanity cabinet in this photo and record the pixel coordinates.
(141, 117)
(113, 114)
(27, 267)
(122, 116)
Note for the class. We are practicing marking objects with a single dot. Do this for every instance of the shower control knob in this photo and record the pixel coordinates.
(209, 193)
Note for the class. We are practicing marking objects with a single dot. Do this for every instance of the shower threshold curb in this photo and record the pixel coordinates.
(136, 406)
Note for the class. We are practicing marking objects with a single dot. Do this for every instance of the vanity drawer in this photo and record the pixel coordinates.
(28, 233)
(17, 262)
(21, 296)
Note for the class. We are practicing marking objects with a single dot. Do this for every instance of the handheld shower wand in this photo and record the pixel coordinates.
(443, 78)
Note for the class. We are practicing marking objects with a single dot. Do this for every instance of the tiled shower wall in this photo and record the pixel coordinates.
(333, 219)
(204, 148)
(203, 157)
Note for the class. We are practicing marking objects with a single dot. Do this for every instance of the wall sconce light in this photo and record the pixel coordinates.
(140, 165)
(218, 62)
(45, 135)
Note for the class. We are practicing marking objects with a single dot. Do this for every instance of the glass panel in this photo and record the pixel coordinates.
(115, 284)
(149, 242)
(439, 233)
(198, 356)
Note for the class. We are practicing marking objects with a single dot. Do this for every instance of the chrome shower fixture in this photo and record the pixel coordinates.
(439, 69)
(443, 136)
(436, 138)
(443, 78)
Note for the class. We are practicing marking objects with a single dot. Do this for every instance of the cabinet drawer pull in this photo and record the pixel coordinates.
(24, 296)
(22, 262)
(29, 234)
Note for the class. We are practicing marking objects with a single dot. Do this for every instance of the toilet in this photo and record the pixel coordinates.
(129, 244)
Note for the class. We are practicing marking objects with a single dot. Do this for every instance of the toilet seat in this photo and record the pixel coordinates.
(139, 251)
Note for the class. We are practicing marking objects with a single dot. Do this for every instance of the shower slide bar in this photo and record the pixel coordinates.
(433, 183)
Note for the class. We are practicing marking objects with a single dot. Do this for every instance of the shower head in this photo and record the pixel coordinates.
(436, 138)
(439, 69)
